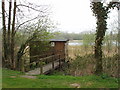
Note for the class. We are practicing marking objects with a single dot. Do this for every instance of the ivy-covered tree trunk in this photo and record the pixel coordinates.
(101, 16)
(101, 28)
(101, 13)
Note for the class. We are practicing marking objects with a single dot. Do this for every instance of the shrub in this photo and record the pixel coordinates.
(82, 65)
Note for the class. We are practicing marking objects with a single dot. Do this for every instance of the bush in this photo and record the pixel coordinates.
(110, 65)
(82, 65)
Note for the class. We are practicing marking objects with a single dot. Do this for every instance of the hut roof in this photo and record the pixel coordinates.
(54, 40)
(59, 40)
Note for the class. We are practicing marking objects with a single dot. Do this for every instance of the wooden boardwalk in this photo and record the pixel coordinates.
(45, 69)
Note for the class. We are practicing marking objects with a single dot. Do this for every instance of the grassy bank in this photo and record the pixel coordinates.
(0, 78)
(13, 79)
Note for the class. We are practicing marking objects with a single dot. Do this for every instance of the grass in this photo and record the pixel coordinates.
(0, 78)
(55, 81)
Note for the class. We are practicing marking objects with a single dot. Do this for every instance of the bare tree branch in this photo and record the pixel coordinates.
(26, 22)
(30, 7)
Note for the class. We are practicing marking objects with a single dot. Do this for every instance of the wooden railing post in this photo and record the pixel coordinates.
(59, 62)
(41, 67)
(53, 62)
(22, 65)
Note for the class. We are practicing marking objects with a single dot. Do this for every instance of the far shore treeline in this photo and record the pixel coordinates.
(82, 35)
(78, 36)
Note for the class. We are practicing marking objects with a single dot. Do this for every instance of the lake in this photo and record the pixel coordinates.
(75, 43)
(80, 42)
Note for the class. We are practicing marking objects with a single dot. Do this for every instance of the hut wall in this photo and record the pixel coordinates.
(60, 48)
(37, 50)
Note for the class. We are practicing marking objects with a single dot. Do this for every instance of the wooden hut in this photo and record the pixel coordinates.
(55, 47)
(60, 46)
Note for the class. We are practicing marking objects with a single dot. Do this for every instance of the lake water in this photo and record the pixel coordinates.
(81, 43)
(75, 43)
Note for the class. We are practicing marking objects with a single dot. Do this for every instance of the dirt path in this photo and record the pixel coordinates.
(29, 76)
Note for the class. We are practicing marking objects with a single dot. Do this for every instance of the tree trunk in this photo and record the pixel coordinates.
(20, 53)
(4, 34)
(118, 42)
(12, 37)
(101, 29)
(101, 15)
(8, 33)
(98, 57)
(119, 31)
(101, 12)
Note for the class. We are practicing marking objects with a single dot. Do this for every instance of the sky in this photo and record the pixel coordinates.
(73, 16)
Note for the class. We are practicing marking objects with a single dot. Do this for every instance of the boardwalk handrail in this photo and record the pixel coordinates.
(53, 52)
(43, 59)
(48, 59)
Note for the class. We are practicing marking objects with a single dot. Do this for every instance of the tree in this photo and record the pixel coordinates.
(101, 13)
(4, 33)
(16, 20)
(13, 37)
(41, 31)
(8, 33)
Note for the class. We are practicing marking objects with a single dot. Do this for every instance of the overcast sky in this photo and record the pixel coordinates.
(73, 15)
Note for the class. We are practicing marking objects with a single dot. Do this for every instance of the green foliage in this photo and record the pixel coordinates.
(110, 65)
(88, 40)
(82, 65)
(20, 38)
(86, 65)
(40, 32)
(104, 76)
